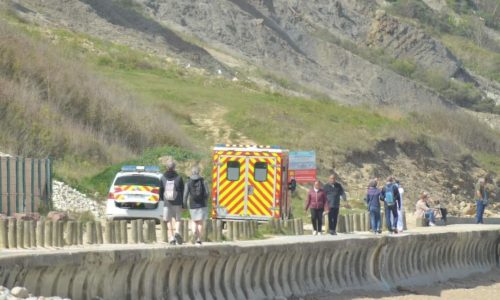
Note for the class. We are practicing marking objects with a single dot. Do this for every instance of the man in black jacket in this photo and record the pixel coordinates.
(334, 191)
(171, 193)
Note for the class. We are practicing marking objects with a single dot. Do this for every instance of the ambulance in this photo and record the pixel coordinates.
(250, 183)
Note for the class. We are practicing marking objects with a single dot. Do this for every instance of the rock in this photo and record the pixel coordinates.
(58, 216)
(469, 210)
(20, 292)
(27, 216)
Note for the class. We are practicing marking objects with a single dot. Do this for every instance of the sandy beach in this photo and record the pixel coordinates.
(478, 286)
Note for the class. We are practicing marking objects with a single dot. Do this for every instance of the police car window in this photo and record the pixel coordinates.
(138, 180)
(233, 170)
(260, 173)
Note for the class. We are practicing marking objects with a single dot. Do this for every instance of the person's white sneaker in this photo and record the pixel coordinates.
(431, 224)
(315, 232)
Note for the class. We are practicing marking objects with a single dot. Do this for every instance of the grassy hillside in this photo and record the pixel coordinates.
(94, 105)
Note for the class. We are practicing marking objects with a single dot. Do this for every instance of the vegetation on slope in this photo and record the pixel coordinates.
(53, 105)
(94, 105)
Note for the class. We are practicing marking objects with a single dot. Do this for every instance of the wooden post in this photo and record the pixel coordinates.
(206, 230)
(88, 232)
(230, 231)
(12, 233)
(40, 233)
(135, 235)
(55, 238)
(164, 231)
(219, 230)
(79, 232)
(33, 233)
(48, 233)
(117, 232)
(124, 232)
(357, 222)
(20, 234)
(27, 234)
(185, 232)
(213, 233)
(108, 233)
(70, 233)
(140, 225)
(4, 240)
(98, 228)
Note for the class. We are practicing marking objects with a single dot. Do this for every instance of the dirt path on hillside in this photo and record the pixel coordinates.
(213, 123)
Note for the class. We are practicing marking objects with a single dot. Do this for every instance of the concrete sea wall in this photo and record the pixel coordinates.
(284, 266)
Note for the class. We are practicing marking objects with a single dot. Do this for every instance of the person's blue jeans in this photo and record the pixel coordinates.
(388, 211)
(429, 215)
(479, 211)
(375, 218)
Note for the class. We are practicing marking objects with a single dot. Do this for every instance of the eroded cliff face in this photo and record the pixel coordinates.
(314, 45)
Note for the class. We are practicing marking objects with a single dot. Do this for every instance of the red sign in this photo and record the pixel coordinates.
(302, 176)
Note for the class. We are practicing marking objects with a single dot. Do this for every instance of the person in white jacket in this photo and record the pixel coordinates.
(400, 224)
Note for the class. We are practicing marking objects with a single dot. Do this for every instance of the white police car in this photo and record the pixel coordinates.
(134, 194)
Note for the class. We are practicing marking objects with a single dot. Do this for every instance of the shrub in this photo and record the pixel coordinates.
(53, 105)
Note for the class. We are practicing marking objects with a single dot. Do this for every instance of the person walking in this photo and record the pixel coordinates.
(373, 201)
(334, 191)
(195, 197)
(317, 204)
(171, 193)
(390, 195)
(481, 199)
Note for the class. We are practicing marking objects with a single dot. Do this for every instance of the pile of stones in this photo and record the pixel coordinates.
(66, 198)
(21, 293)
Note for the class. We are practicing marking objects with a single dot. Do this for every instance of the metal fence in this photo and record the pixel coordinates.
(25, 184)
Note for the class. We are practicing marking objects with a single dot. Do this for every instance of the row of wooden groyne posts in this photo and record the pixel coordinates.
(16, 233)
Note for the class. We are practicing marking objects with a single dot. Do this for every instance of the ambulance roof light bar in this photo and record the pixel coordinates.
(249, 146)
(132, 168)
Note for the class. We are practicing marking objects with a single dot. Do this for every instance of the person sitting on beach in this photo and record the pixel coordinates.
(423, 210)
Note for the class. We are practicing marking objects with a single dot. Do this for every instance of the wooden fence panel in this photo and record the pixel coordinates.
(25, 183)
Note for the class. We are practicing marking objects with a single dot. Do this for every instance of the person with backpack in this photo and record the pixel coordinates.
(195, 197)
(373, 201)
(392, 201)
(334, 191)
(171, 192)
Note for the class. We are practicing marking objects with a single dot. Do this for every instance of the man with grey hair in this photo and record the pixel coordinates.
(196, 196)
(334, 191)
(171, 192)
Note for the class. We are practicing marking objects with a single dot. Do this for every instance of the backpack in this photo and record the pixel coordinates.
(197, 190)
(389, 195)
(170, 193)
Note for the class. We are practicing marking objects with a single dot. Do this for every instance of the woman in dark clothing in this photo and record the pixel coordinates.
(373, 201)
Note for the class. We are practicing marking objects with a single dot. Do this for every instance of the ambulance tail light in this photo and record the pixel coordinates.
(111, 196)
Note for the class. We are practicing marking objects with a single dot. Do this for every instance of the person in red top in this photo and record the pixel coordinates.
(317, 204)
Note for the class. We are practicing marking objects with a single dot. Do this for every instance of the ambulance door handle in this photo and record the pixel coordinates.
(250, 190)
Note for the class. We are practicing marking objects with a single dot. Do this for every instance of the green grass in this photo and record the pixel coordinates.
(489, 161)
(265, 117)
(481, 60)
